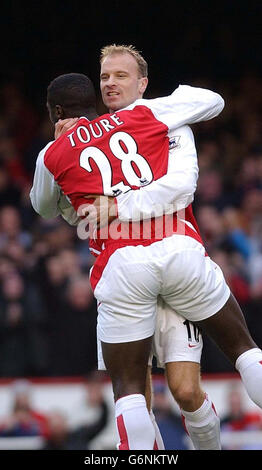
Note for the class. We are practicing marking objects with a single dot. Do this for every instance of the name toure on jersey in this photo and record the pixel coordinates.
(85, 133)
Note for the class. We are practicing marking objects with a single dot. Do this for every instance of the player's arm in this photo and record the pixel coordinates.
(171, 192)
(168, 194)
(46, 196)
(67, 211)
(186, 105)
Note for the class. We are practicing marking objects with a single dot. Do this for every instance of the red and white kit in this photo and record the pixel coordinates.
(126, 151)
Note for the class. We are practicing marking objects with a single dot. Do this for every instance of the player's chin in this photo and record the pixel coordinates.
(113, 104)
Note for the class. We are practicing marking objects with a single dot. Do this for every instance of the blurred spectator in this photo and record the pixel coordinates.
(7, 266)
(72, 330)
(9, 192)
(39, 140)
(211, 225)
(11, 229)
(211, 190)
(236, 236)
(234, 271)
(169, 423)
(89, 408)
(54, 234)
(70, 262)
(12, 160)
(61, 437)
(23, 420)
(20, 116)
(239, 419)
(208, 155)
(248, 177)
(22, 320)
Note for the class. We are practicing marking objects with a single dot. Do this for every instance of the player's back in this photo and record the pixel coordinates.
(109, 155)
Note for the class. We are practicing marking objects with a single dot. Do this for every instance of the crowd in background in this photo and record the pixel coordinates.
(57, 429)
(47, 309)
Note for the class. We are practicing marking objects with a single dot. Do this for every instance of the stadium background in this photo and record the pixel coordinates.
(48, 314)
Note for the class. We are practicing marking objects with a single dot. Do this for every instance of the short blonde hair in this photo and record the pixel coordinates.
(122, 49)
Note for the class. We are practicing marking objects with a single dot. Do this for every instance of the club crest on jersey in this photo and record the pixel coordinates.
(174, 142)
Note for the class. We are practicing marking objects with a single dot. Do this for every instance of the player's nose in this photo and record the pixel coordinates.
(111, 82)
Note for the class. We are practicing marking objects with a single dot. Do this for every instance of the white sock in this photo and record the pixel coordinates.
(159, 440)
(203, 426)
(135, 428)
(249, 365)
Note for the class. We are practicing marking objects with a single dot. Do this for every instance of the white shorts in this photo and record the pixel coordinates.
(175, 339)
(176, 268)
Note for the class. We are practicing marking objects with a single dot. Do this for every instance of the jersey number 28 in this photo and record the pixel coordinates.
(128, 159)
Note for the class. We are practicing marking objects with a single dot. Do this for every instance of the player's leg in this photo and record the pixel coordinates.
(148, 393)
(149, 398)
(184, 383)
(198, 412)
(127, 366)
(229, 330)
(194, 286)
(126, 321)
(178, 346)
(149, 389)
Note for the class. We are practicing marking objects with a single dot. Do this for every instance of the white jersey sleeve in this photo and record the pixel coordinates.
(67, 211)
(171, 192)
(46, 196)
(186, 105)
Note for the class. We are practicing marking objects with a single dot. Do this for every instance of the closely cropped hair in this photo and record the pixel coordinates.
(122, 49)
(72, 91)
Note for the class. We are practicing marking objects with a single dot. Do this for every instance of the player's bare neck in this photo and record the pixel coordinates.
(91, 114)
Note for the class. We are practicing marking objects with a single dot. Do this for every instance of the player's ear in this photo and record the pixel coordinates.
(59, 111)
(143, 85)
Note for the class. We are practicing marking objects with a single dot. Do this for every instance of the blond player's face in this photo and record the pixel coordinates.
(120, 83)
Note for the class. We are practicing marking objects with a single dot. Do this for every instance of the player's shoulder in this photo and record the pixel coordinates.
(152, 102)
(141, 103)
(42, 152)
(155, 105)
(138, 105)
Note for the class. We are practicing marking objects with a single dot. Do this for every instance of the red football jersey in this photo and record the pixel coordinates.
(109, 155)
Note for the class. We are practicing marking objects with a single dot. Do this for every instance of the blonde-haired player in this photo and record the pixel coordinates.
(177, 343)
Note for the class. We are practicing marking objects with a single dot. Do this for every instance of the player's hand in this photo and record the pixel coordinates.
(63, 125)
(102, 211)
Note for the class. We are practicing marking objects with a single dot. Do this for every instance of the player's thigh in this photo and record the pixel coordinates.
(148, 387)
(193, 285)
(176, 339)
(126, 294)
(229, 330)
(127, 365)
